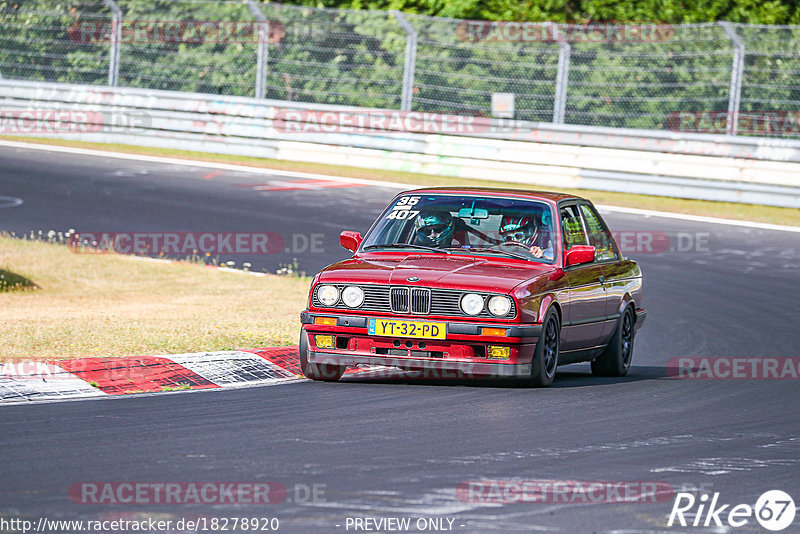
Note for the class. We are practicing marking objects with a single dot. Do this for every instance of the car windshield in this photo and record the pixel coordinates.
(470, 224)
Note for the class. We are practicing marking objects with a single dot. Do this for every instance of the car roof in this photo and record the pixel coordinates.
(499, 191)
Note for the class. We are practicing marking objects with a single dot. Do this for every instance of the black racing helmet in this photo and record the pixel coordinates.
(434, 228)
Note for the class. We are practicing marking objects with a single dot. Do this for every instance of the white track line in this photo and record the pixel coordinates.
(376, 183)
(700, 218)
(205, 164)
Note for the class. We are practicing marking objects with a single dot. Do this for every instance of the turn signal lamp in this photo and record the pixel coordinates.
(327, 321)
(493, 331)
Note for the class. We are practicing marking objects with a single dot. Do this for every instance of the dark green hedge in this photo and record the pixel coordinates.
(670, 11)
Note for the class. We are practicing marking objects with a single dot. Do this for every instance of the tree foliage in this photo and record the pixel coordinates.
(667, 11)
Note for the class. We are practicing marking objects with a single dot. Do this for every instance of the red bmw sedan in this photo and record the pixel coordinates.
(473, 283)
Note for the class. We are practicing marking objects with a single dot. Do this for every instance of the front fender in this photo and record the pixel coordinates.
(544, 305)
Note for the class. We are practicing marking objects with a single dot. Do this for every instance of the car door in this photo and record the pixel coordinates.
(583, 323)
(607, 255)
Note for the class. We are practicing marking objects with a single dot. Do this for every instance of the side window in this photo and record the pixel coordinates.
(572, 227)
(599, 237)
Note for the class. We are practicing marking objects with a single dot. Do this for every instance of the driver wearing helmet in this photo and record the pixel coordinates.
(526, 231)
(434, 229)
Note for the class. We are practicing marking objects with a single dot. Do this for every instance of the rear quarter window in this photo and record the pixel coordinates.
(599, 236)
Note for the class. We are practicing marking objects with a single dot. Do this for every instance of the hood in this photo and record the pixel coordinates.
(497, 275)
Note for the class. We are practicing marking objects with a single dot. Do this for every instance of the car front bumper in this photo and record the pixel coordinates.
(427, 368)
(462, 354)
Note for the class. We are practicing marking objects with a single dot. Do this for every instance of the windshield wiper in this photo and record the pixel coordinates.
(407, 245)
(506, 252)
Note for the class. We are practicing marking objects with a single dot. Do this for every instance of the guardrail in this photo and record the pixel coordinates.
(709, 167)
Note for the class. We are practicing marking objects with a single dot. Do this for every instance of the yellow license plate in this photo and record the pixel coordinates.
(387, 327)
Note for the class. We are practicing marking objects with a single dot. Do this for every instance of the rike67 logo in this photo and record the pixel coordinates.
(774, 510)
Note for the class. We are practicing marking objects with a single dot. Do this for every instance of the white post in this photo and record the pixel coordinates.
(116, 37)
(409, 64)
(562, 77)
(262, 51)
(737, 73)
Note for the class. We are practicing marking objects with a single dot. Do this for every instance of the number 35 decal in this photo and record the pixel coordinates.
(402, 210)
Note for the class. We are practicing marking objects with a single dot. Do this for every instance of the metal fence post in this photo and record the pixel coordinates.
(262, 50)
(409, 63)
(737, 74)
(116, 37)
(562, 77)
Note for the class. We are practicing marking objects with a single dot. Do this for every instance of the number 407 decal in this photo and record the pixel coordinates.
(402, 210)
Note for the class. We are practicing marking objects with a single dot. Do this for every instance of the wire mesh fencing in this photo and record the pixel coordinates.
(335, 56)
(707, 78)
(193, 45)
(459, 64)
(42, 41)
(770, 81)
(644, 82)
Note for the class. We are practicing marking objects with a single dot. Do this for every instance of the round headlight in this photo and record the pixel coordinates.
(472, 304)
(499, 305)
(353, 296)
(328, 295)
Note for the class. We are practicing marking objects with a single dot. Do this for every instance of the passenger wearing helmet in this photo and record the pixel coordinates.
(526, 231)
(434, 229)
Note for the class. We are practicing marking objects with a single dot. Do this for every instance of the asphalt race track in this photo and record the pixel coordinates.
(98, 195)
(379, 448)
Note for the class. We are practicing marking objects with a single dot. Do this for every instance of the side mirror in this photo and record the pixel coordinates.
(350, 240)
(579, 254)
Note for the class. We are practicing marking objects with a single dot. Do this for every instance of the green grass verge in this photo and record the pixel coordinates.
(115, 305)
(725, 210)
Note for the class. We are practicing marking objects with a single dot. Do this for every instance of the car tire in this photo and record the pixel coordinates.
(317, 371)
(616, 358)
(545, 356)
